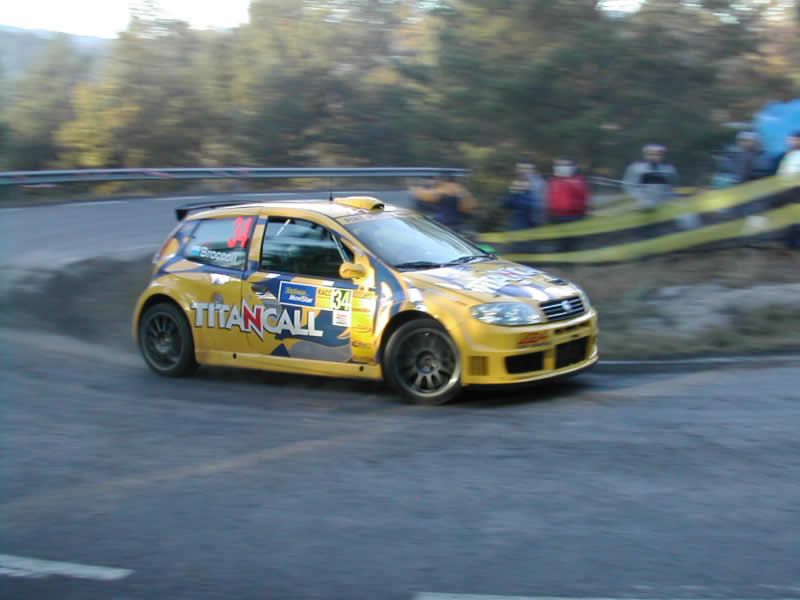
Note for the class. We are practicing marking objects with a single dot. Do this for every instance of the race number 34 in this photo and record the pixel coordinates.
(342, 299)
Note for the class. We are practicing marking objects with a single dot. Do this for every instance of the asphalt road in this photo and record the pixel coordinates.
(243, 485)
(252, 485)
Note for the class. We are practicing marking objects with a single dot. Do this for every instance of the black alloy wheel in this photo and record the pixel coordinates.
(165, 340)
(422, 363)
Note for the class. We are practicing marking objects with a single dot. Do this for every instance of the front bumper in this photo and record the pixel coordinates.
(494, 355)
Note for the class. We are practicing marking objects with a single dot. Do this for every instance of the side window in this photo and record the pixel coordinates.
(180, 236)
(302, 247)
(221, 242)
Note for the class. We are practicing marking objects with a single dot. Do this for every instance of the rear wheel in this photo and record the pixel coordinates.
(422, 363)
(165, 340)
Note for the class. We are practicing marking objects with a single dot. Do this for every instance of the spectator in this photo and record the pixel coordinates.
(453, 202)
(568, 195)
(417, 185)
(725, 173)
(790, 163)
(538, 186)
(524, 202)
(749, 160)
(651, 180)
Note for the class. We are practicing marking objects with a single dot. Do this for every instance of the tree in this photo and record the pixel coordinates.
(482, 83)
(149, 103)
(40, 103)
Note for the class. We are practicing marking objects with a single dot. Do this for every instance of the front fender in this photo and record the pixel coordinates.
(446, 309)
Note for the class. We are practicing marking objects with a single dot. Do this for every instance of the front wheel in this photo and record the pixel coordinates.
(165, 340)
(422, 363)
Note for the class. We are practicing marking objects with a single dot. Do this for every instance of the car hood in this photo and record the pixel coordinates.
(495, 280)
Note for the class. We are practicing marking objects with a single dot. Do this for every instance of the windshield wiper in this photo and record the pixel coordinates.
(418, 264)
(466, 259)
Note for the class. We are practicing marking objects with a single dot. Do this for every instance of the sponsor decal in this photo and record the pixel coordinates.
(335, 299)
(532, 338)
(341, 318)
(512, 281)
(415, 295)
(363, 310)
(312, 296)
(297, 294)
(219, 279)
(223, 257)
(255, 319)
(518, 272)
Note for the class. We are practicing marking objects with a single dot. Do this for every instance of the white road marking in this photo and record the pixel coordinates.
(172, 198)
(434, 596)
(92, 203)
(8, 210)
(717, 360)
(21, 566)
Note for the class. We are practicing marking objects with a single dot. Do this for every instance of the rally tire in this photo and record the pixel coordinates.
(165, 340)
(421, 362)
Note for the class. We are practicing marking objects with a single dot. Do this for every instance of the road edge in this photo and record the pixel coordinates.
(695, 363)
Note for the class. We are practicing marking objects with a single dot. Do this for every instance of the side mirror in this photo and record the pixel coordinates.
(350, 270)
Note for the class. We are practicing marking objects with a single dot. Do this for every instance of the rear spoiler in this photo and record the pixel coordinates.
(185, 209)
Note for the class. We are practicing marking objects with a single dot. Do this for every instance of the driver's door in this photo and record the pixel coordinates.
(308, 309)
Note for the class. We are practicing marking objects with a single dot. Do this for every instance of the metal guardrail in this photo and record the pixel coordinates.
(105, 175)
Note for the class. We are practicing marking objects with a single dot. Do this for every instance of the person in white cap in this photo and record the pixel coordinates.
(650, 181)
(790, 163)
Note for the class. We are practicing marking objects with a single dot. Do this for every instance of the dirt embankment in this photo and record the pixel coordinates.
(92, 300)
(726, 301)
(716, 302)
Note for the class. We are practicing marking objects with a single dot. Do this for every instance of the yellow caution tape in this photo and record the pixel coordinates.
(764, 223)
(711, 201)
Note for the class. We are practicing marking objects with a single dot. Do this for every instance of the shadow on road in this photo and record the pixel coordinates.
(253, 388)
(531, 393)
(483, 397)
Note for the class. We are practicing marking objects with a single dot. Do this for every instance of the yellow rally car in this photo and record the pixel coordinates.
(351, 287)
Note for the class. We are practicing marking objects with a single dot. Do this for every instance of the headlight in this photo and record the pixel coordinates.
(506, 313)
(587, 306)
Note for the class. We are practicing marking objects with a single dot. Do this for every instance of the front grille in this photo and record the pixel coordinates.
(566, 308)
(571, 352)
(478, 365)
(525, 363)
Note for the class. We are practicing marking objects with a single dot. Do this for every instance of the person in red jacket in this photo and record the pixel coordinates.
(568, 195)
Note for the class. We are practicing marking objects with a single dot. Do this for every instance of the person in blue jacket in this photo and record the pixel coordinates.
(524, 199)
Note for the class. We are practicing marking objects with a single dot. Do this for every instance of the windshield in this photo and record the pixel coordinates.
(415, 242)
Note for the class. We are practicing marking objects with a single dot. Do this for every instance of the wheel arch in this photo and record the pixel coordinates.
(444, 389)
(152, 300)
(400, 319)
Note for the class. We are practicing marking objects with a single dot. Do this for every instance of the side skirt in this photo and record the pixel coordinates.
(284, 364)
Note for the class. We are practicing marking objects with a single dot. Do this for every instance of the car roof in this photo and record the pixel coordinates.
(336, 209)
